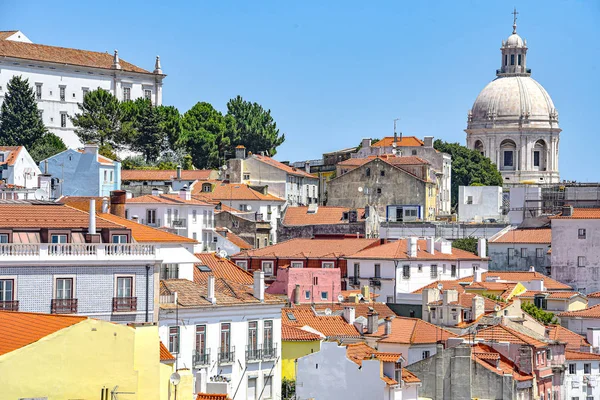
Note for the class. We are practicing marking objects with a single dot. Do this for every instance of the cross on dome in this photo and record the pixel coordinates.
(515, 13)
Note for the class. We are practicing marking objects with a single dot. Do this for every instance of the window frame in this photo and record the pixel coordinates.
(272, 266)
(453, 270)
(433, 271)
(377, 270)
(297, 264)
(581, 261)
(167, 269)
(154, 213)
(426, 354)
(225, 333)
(38, 90)
(59, 235)
(406, 271)
(324, 264)
(587, 368)
(307, 295)
(253, 335)
(55, 289)
(118, 277)
(523, 252)
(119, 237)
(581, 233)
(202, 335)
(539, 253)
(243, 264)
(62, 93)
(13, 280)
(126, 93)
(174, 339)
(324, 295)
(4, 235)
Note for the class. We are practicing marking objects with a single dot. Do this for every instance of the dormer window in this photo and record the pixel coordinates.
(206, 187)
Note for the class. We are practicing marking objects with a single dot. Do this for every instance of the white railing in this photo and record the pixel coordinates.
(72, 249)
(55, 251)
(166, 299)
(130, 249)
(19, 249)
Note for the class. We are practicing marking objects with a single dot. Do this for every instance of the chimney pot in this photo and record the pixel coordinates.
(349, 314)
(185, 194)
(179, 172)
(211, 289)
(105, 205)
(481, 248)
(431, 245)
(388, 325)
(259, 285)
(372, 322)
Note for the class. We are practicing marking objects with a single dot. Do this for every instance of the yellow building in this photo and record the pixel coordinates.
(296, 343)
(556, 301)
(502, 290)
(61, 357)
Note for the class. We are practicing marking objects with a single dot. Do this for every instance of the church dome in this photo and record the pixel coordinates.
(515, 40)
(513, 102)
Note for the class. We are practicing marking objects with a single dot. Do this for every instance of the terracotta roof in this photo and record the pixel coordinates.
(550, 295)
(415, 331)
(357, 352)
(101, 158)
(360, 309)
(6, 34)
(310, 248)
(165, 174)
(400, 141)
(594, 295)
(293, 334)
(63, 56)
(397, 250)
(501, 333)
(582, 213)
(490, 359)
(389, 158)
(19, 329)
(325, 215)
(224, 191)
(47, 216)
(12, 155)
(81, 202)
(174, 199)
(328, 325)
(143, 233)
(387, 357)
(520, 276)
(283, 167)
(233, 238)
(591, 312)
(534, 236)
(165, 354)
(506, 288)
(465, 300)
(562, 334)
(446, 285)
(409, 377)
(220, 268)
(579, 355)
(211, 396)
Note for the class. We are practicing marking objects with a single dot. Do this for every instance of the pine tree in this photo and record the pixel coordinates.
(20, 121)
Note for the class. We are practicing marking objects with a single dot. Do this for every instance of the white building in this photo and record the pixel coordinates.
(480, 204)
(520, 250)
(179, 213)
(409, 264)
(297, 187)
(354, 372)
(62, 76)
(19, 174)
(581, 376)
(575, 255)
(227, 333)
(513, 121)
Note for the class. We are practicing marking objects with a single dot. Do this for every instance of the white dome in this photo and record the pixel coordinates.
(513, 102)
(514, 40)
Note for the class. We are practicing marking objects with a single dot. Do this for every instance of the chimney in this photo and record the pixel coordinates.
(477, 307)
(449, 296)
(525, 359)
(307, 167)
(45, 166)
(349, 314)
(411, 248)
(476, 275)
(431, 245)
(365, 292)
(118, 198)
(481, 248)
(211, 290)
(92, 225)
(428, 296)
(240, 152)
(428, 141)
(135, 218)
(593, 337)
(91, 148)
(105, 205)
(388, 325)
(567, 211)
(155, 191)
(372, 322)
(366, 143)
(259, 285)
(185, 194)
(297, 294)
(179, 172)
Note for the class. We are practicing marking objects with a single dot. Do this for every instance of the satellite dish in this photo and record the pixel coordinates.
(249, 208)
(223, 254)
(340, 298)
(440, 286)
(360, 189)
(328, 311)
(41, 194)
(175, 379)
(497, 308)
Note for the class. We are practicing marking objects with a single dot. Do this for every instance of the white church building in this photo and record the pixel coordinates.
(514, 122)
(62, 76)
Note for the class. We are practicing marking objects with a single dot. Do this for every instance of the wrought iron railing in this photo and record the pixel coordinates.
(121, 304)
(9, 305)
(253, 352)
(226, 355)
(64, 306)
(201, 357)
(269, 352)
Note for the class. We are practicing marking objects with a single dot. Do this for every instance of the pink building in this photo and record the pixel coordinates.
(308, 285)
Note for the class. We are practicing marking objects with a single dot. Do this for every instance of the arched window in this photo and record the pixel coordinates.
(508, 150)
(479, 147)
(368, 172)
(539, 155)
(512, 59)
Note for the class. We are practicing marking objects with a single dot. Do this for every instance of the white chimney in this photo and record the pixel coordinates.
(481, 249)
(431, 245)
(156, 192)
(185, 194)
(259, 285)
(92, 227)
(105, 205)
(531, 268)
(211, 290)
(411, 247)
(91, 148)
(179, 172)
(349, 314)
(476, 275)
(388, 325)
(135, 218)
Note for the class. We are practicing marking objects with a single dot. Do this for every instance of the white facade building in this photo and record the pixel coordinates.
(62, 76)
(480, 204)
(409, 264)
(19, 175)
(582, 376)
(514, 122)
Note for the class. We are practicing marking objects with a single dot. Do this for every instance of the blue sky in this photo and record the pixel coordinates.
(334, 72)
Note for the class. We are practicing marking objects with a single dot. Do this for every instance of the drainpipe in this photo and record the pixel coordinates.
(395, 278)
(147, 289)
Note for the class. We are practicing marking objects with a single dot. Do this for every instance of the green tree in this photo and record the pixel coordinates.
(469, 167)
(171, 125)
(204, 135)
(467, 244)
(100, 120)
(288, 389)
(147, 136)
(46, 146)
(545, 317)
(20, 121)
(253, 127)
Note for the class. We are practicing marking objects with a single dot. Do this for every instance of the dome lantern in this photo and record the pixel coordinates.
(514, 54)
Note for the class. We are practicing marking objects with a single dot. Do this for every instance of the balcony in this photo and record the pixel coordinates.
(375, 282)
(201, 358)
(124, 304)
(12, 305)
(44, 253)
(269, 352)
(354, 281)
(179, 224)
(226, 355)
(253, 353)
(64, 306)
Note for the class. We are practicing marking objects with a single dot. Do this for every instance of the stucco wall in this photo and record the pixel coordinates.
(290, 351)
(500, 260)
(485, 203)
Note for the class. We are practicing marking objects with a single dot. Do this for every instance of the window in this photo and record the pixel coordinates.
(368, 172)
(356, 270)
(242, 264)
(7, 290)
(119, 239)
(382, 173)
(124, 286)
(64, 288)
(111, 176)
(265, 242)
(587, 368)
(126, 94)
(63, 120)
(390, 299)
(406, 271)
(511, 253)
(469, 199)
(420, 268)
(268, 383)
(539, 253)
(38, 91)
(105, 176)
(426, 354)
(151, 217)
(505, 59)
(307, 294)
(251, 393)
(169, 271)
(252, 338)
(268, 336)
(434, 272)
(3, 238)
(581, 233)
(148, 94)
(174, 339)
(324, 295)
(315, 280)
(536, 158)
(243, 207)
(85, 91)
(377, 270)
(201, 339)
(413, 152)
(508, 158)
(378, 190)
(523, 252)
(512, 59)
(519, 59)
(453, 271)
(327, 264)
(269, 212)
(62, 91)
(581, 261)
(297, 264)
(267, 267)
(246, 176)
(58, 239)
(225, 337)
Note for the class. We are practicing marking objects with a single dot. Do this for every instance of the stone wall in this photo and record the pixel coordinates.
(309, 231)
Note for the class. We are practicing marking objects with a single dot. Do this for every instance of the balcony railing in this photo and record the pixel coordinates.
(354, 280)
(253, 353)
(19, 250)
(64, 306)
(226, 355)
(375, 282)
(56, 252)
(269, 352)
(179, 223)
(201, 358)
(121, 304)
(9, 305)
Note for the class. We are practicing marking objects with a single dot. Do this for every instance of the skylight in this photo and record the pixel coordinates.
(203, 268)
(291, 316)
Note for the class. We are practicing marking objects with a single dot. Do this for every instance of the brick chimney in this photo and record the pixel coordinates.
(118, 198)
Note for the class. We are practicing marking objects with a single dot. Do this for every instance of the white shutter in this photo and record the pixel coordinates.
(268, 383)
(391, 213)
(251, 394)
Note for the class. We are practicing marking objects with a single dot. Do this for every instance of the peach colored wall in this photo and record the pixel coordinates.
(327, 280)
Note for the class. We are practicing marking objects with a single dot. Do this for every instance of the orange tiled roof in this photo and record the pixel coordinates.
(594, 295)
(144, 233)
(534, 236)
(47, 216)
(167, 199)
(505, 287)
(12, 155)
(415, 331)
(6, 34)
(224, 191)
(501, 333)
(580, 355)
(63, 56)
(360, 309)
(283, 167)
(233, 238)
(101, 158)
(357, 352)
(550, 295)
(465, 300)
(310, 248)
(490, 359)
(293, 334)
(165, 354)
(387, 357)
(81, 202)
(19, 329)
(400, 141)
(562, 334)
(409, 377)
(165, 174)
(221, 268)
(328, 325)
(446, 285)
(520, 276)
(325, 215)
(211, 396)
(582, 213)
(591, 312)
(397, 250)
